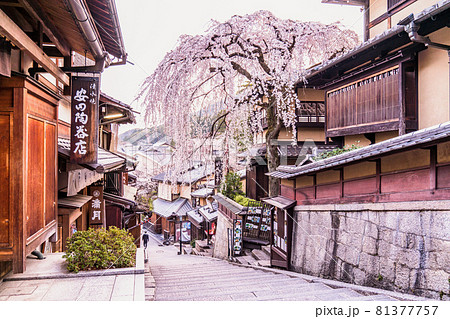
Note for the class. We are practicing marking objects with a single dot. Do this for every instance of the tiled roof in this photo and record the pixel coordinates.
(73, 202)
(423, 15)
(189, 177)
(195, 215)
(287, 148)
(165, 208)
(108, 160)
(414, 139)
(208, 213)
(228, 203)
(202, 192)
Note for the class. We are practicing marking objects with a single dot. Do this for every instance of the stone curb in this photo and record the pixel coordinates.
(139, 283)
(338, 284)
(149, 283)
(138, 269)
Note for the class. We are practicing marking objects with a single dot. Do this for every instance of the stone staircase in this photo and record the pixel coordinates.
(202, 248)
(189, 277)
(254, 257)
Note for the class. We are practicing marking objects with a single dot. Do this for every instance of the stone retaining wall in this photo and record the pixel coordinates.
(403, 246)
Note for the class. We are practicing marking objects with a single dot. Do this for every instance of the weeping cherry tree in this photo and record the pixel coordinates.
(248, 63)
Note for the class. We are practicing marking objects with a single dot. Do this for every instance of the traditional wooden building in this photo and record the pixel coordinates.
(367, 216)
(39, 40)
(174, 201)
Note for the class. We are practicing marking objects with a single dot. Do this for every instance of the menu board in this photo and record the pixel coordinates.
(237, 237)
(257, 222)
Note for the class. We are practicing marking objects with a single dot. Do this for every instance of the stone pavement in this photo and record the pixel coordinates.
(49, 280)
(190, 277)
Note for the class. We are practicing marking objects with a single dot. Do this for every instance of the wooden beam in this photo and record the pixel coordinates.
(48, 27)
(10, 4)
(21, 40)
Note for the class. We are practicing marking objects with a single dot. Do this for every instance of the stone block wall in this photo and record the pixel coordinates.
(402, 246)
(221, 237)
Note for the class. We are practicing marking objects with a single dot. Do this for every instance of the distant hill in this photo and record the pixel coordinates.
(142, 135)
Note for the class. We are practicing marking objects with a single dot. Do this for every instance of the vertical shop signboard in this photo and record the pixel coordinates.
(96, 206)
(84, 120)
(237, 237)
(218, 171)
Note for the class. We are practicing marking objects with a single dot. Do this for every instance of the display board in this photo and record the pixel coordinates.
(256, 221)
(237, 237)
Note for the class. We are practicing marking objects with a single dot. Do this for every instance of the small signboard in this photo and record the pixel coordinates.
(237, 237)
(218, 171)
(185, 232)
(96, 206)
(84, 120)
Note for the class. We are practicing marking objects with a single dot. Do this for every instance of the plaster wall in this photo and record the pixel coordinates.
(359, 170)
(433, 82)
(405, 160)
(310, 95)
(310, 133)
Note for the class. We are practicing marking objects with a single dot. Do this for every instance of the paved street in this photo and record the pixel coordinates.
(190, 277)
(49, 280)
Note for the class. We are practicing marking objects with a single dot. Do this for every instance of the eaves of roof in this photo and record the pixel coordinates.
(428, 14)
(421, 138)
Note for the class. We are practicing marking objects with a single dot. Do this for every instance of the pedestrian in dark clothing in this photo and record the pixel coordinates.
(145, 238)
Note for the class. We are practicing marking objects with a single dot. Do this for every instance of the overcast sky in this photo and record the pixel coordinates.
(151, 28)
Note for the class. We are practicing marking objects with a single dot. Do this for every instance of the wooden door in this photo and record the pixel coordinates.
(5, 191)
(281, 238)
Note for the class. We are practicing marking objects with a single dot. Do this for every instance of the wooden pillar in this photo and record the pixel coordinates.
(315, 185)
(341, 182)
(65, 231)
(378, 175)
(18, 178)
(433, 161)
(402, 100)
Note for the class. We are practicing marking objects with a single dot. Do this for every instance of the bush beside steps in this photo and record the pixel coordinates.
(100, 249)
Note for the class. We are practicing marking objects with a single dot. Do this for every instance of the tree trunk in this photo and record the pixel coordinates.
(273, 158)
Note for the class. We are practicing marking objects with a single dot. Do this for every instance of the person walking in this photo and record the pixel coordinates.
(145, 238)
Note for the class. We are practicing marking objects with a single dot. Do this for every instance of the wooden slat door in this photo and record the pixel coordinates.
(5, 173)
(281, 240)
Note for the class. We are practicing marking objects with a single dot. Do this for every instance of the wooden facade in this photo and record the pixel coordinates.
(411, 175)
(257, 182)
(382, 100)
(28, 127)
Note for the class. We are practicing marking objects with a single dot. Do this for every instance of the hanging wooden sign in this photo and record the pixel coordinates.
(218, 165)
(84, 120)
(96, 206)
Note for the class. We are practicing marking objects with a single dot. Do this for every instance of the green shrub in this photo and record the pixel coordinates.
(232, 185)
(242, 200)
(100, 249)
(337, 151)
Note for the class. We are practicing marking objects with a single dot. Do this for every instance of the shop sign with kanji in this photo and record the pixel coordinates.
(84, 120)
(96, 206)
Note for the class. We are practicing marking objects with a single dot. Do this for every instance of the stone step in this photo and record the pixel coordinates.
(260, 255)
(215, 279)
(374, 298)
(266, 249)
(225, 282)
(198, 271)
(263, 263)
(202, 244)
(246, 260)
(257, 291)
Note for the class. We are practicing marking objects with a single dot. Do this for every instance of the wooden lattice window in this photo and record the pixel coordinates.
(394, 3)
